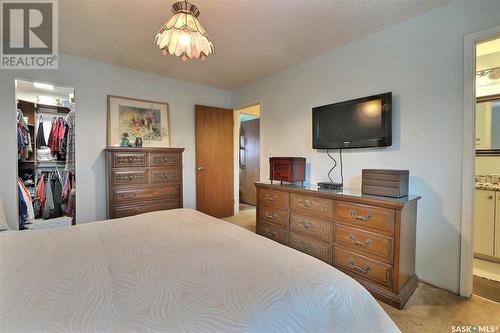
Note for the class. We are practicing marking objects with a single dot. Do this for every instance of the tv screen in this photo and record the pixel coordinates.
(359, 123)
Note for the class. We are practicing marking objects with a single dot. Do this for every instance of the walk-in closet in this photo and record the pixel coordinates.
(46, 155)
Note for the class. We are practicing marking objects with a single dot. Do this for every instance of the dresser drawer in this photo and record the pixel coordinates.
(166, 176)
(366, 217)
(274, 198)
(129, 177)
(363, 266)
(121, 160)
(272, 231)
(130, 211)
(162, 159)
(122, 196)
(364, 242)
(310, 226)
(313, 247)
(274, 215)
(312, 206)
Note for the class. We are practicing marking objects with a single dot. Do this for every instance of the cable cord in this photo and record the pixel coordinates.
(341, 168)
(334, 166)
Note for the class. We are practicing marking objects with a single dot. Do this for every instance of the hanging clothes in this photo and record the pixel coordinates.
(28, 200)
(50, 195)
(40, 136)
(70, 149)
(23, 209)
(23, 137)
(68, 188)
(57, 198)
(56, 136)
(61, 156)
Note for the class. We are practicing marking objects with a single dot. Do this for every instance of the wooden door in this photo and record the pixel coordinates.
(484, 222)
(214, 161)
(250, 166)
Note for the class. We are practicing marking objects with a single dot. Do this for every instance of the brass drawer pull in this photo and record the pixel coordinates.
(271, 198)
(359, 243)
(271, 216)
(365, 268)
(361, 218)
(308, 204)
(271, 234)
(307, 226)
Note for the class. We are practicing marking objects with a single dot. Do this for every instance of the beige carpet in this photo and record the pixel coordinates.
(245, 219)
(429, 309)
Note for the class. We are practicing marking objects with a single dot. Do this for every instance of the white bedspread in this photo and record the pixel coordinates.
(173, 271)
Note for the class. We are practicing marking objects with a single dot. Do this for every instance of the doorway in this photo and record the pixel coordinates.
(46, 183)
(486, 262)
(249, 155)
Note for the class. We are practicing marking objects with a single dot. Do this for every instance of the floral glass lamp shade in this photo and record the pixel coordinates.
(183, 35)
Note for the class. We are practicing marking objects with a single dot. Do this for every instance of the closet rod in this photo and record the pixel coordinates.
(52, 112)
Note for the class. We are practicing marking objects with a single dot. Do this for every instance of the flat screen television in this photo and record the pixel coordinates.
(358, 123)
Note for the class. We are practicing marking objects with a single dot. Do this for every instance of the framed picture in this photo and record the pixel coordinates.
(138, 118)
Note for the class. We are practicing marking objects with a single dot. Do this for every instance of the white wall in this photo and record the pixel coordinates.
(92, 82)
(421, 62)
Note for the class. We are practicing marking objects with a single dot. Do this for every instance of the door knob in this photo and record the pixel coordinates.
(200, 168)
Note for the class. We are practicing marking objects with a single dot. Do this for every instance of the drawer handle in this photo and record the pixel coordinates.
(361, 218)
(271, 216)
(271, 198)
(359, 243)
(271, 234)
(363, 269)
(306, 225)
(308, 204)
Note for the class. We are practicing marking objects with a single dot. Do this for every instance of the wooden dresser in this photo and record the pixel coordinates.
(142, 180)
(370, 238)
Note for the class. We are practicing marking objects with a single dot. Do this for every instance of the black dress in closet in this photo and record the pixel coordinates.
(40, 137)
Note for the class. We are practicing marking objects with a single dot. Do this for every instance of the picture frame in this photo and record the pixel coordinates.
(148, 120)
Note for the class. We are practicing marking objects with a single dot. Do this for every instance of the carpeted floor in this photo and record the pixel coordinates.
(429, 309)
(59, 222)
(245, 219)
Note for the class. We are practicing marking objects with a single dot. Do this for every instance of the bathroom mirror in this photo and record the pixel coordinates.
(488, 125)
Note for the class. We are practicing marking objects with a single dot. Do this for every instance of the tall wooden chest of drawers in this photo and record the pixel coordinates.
(142, 180)
(370, 238)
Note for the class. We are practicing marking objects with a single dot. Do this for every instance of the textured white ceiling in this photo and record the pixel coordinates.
(252, 38)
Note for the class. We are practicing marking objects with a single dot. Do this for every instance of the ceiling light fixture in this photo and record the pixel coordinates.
(183, 35)
(45, 86)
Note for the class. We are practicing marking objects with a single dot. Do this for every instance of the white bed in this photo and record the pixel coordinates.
(173, 271)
